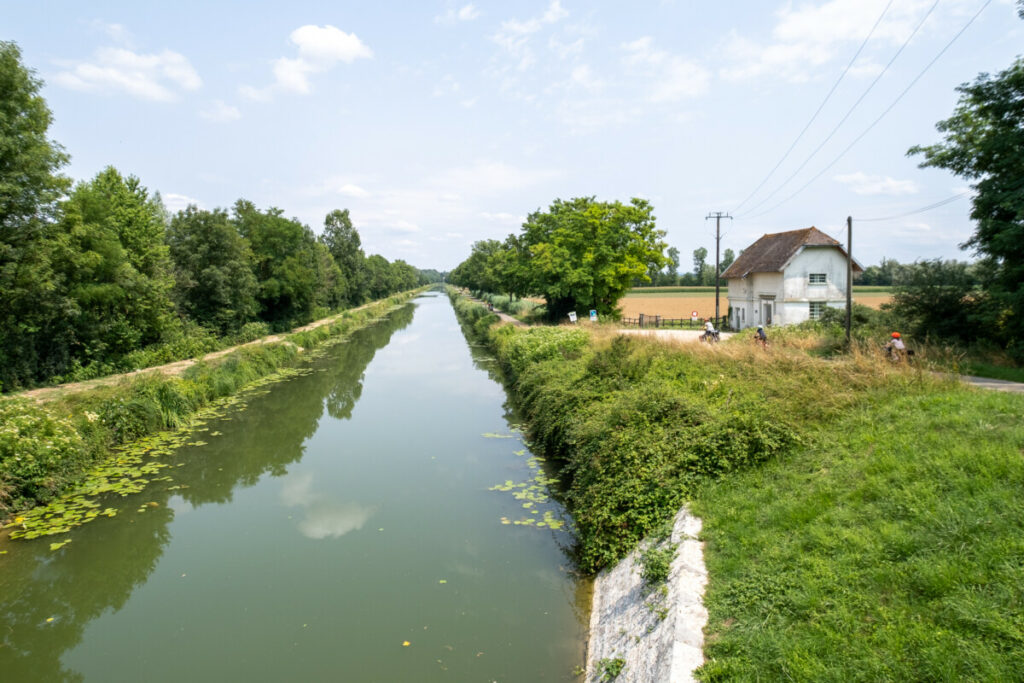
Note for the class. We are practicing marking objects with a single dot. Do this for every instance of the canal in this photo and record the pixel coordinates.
(378, 518)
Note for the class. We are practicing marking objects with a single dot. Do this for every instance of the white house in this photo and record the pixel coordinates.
(786, 278)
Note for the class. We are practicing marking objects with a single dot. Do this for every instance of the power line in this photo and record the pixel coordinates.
(820, 107)
(850, 110)
(880, 117)
(936, 205)
(942, 202)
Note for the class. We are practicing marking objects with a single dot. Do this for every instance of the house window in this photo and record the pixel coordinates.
(817, 308)
(816, 278)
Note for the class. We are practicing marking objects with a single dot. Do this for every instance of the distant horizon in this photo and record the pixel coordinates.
(440, 124)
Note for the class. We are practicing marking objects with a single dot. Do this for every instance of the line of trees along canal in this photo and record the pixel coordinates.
(98, 277)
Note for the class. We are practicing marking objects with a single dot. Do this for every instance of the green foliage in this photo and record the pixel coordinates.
(342, 240)
(656, 563)
(633, 427)
(115, 267)
(982, 142)
(38, 450)
(938, 298)
(611, 668)
(32, 339)
(286, 264)
(213, 270)
(583, 254)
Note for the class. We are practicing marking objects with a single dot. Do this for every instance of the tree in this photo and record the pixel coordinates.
(286, 264)
(983, 142)
(584, 254)
(213, 270)
(33, 343)
(673, 266)
(938, 298)
(342, 239)
(700, 256)
(727, 258)
(115, 266)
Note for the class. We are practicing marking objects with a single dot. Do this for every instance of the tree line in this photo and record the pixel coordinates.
(92, 272)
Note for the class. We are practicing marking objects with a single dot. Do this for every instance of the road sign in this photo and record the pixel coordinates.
(693, 314)
(593, 316)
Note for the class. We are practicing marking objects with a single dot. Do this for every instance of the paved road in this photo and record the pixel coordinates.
(677, 335)
(993, 384)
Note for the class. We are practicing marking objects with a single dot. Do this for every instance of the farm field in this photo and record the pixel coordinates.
(680, 302)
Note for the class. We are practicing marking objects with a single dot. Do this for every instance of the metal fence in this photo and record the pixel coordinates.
(645, 321)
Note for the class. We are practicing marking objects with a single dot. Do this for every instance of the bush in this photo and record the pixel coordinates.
(38, 452)
(656, 563)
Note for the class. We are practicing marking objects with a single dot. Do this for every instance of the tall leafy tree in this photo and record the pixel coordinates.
(378, 276)
(115, 266)
(342, 240)
(700, 263)
(672, 269)
(286, 264)
(213, 269)
(33, 344)
(983, 142)
(585, 254)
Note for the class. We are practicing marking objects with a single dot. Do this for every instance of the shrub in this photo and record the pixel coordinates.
(656, 563)
(38, 451)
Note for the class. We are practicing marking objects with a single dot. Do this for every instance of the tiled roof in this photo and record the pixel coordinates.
(770, 253)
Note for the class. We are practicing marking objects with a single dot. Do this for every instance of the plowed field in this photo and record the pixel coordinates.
(676, 305)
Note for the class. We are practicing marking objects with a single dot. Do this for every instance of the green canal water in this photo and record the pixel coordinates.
(337, 517)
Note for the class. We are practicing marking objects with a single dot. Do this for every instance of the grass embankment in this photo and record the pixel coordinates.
(862, 521)
(47, 448)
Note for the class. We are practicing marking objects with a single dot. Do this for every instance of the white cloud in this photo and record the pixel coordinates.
(806, 36)
(320, 48)
(157, 77)
(671, 77)
(178, 202)
(465, 13)
(221, 112)
(328, 44)
(514, 35)
(115, 32)
(861, 183)
(340, 186)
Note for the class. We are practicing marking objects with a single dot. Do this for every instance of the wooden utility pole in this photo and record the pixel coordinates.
(718, 216)
(849, 275)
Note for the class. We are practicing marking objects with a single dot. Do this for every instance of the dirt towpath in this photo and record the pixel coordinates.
(174, 369)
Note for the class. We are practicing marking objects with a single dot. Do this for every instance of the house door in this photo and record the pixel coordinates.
(767, 307)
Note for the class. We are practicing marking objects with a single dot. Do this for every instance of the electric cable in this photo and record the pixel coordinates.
(880, 117)
(820, 107)
(851, 109)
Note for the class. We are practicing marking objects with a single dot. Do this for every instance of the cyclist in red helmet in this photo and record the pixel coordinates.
(896, 349)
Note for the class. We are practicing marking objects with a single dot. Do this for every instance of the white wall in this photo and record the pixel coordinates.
(826, 260)
(792, 290)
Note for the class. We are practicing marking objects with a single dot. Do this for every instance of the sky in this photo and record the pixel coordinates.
(441, 123)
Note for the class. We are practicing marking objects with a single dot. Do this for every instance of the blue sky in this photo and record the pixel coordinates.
(441, 123)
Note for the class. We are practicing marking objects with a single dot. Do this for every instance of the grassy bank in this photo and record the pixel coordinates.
(47, 448)
(890, 548)
(862, 521)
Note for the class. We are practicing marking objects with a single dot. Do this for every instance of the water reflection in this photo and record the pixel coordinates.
(48, 598)
(324, 517)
